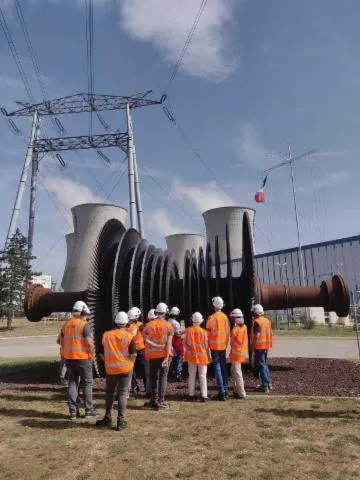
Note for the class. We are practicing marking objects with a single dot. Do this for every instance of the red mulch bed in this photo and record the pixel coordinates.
(290, 376)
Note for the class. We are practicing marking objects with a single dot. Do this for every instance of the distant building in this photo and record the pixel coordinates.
(44, 280)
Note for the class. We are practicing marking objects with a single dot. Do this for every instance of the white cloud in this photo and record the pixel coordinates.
(202, 197)
(70, 193)
(252, 150)
(165, 24)
(161, 223)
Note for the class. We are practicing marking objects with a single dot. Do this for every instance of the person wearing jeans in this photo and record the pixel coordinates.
(218, 326)
(261, 342)
(119, 357)
(78, 350)
(198, 355)
(158, 336)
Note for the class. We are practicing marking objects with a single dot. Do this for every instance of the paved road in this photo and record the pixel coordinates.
(283, 347)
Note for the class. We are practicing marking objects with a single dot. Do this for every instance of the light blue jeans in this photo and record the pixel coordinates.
(220, 367)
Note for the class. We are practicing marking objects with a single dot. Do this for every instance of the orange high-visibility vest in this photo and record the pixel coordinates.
(116, 351)
(263, 339)
(239, 344)
(218, 327)
(157, 331)
(196, 345)
(134, 329)
(75, 346)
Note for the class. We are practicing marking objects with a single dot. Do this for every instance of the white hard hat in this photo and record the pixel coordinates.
(151, 314)
(175, 311)
(236, 313)
(257, 309)
(81, 307)
(217, 302)
(161, 308)
(121, 318)
(197, 318)
(134, 313)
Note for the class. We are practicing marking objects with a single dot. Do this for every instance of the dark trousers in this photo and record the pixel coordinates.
(220, 367)
(80, 372)
(139, 369)
(262, 367)
(158, 378)
(122, 382)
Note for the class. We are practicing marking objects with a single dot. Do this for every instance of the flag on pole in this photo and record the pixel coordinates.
(264, 182)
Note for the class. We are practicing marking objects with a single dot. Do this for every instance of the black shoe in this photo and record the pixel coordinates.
(178, 378)
(221, 396)
(205, 399)
(240, 397)
(190, 398)
(72, 416)
(121, 424)
(152, 404)
(105, 422)
(78, 414)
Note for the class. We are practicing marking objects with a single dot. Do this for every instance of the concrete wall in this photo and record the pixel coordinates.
(88, 220)
(216, 220)
(179, 243)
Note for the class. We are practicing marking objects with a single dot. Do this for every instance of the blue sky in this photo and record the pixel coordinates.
(257, 75)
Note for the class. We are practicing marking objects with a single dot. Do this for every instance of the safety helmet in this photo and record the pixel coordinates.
(161, 309)
(151, 314)
(197, 318)
(121, 318)
(217, 302)
(257, 309)
(81, 307)
(134, 313)
(238, 316)
(175, 311)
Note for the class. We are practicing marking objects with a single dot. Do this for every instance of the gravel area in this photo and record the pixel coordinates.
(290, 376)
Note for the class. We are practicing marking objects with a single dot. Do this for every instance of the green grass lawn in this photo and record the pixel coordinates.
(23, 328)
(317, 331)
(265, 438)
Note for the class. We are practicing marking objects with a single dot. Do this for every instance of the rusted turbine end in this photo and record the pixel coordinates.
(41, 302)
(336, 296)
(32, 303)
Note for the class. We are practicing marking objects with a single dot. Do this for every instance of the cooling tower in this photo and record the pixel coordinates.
(179, 243)
(88, 220)
(70, 244)
(216, 220)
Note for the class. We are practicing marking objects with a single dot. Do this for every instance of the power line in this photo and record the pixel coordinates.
(15, 55)
(188, 40)
(169, 113)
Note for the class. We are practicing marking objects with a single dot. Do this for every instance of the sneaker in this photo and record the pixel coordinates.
(163, 405)
(91, 414)
(121, 424)
(270, 387)
(238, 396)
(221, 397)
(152, 404)
(72, 416)
(205, 399)
(104, 422)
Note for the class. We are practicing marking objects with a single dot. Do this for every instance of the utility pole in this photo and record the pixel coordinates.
(78, 103)
(290, 161)
(23, 178)
(283, 266)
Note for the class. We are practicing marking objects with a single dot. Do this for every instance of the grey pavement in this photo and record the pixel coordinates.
(320, 347)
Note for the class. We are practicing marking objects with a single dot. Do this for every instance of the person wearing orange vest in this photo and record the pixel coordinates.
(218, 326)
(238, 352)
(78, 350)
(119, 357)
(158, 335)
(136, 327)
(261, 342)
(198, 355)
